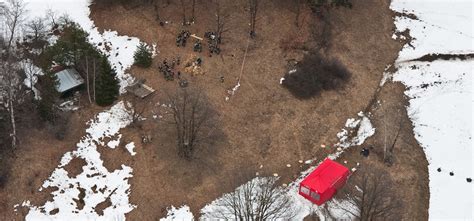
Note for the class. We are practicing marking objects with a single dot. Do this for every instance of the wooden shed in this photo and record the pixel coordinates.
(140, 89)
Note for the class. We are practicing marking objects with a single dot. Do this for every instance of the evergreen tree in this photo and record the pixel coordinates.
(107, 86)
(70, 47)
(49, 95)
(143, 56)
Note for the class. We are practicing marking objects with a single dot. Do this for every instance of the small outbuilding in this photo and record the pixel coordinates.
(69, 79)
(322, 184)
(140, 89)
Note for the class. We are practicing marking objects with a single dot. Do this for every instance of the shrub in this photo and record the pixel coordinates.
(315, 74)
(143, 56)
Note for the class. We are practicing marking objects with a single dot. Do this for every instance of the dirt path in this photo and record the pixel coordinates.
(263, 124)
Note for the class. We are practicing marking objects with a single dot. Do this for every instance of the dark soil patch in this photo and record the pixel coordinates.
(315, 74)
(99, 209)
(74, 167)
(80, 200)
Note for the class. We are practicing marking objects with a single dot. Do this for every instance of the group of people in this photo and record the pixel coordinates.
(167, 69)
(213, 39)
(182, 38)
(197, 46)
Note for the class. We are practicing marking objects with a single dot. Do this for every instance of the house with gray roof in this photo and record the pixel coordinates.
(69, 79)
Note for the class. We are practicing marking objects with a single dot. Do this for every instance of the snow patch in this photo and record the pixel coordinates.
(130, 146)
(182, 213)
(441, 27)
(114, 143)
(95, 180)
(364, 130)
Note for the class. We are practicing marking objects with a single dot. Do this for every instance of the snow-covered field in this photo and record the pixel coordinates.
(441, 99)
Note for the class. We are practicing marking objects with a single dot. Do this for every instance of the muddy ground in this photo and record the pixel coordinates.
(262, 124)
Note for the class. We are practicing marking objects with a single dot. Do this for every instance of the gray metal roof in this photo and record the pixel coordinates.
(68, 79)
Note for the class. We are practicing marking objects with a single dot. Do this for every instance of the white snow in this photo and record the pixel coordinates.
(364, 131)
(442, 117)
(114, 143)
(441, 99)
(130, 146)
(32, 72)
(218, 209)
(121, 48)
(442, 27)
(98, 183)
(182, 213)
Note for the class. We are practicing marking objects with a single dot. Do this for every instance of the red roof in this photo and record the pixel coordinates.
(325, 180)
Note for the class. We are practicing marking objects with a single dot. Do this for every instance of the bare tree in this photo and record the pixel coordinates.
(183, 7)
(257, 200)
(10, 86)
(298, 12)
(388, 148)
(10, 79)
(156, 6)
(193, 117)
(193, 18)
(52, 18)
(371, 195)
(89, 66)
(87, 79)
(221, 19)
(253, 9)
(36, 28)
(137, 107)
(14, 16)
(31, 71)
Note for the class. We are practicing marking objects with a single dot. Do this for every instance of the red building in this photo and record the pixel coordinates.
(321, 185)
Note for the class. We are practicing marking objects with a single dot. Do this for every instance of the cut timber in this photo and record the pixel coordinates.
(196, 37)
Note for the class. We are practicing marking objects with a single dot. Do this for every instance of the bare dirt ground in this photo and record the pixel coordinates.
(262, 124)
